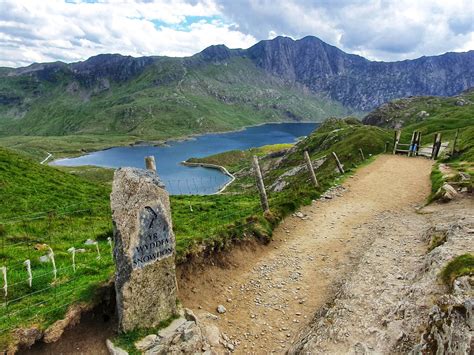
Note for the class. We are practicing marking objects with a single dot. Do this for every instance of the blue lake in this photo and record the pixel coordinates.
(180, 179)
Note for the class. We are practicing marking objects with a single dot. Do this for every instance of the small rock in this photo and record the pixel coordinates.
(147, 342)
(187, 334)
(221, 309)
(212, 334)
(89, 242)
(446, 193)
(114, 350)
(212, 316)
(189, 315)
(44, 259)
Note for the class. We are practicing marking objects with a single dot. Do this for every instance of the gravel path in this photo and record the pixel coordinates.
(271, 293)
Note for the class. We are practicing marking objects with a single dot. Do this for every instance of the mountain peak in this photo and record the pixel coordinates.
(219, 52)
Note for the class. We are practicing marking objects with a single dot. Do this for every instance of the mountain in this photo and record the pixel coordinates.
(357, 82)
(216, 89)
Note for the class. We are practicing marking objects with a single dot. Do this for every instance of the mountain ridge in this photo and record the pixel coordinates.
(216, 89)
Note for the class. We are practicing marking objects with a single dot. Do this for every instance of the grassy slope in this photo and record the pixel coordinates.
(444, 116)
(169, 99)
(43, 205)
(235, 160)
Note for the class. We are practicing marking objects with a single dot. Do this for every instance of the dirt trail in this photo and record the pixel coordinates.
(271, 292)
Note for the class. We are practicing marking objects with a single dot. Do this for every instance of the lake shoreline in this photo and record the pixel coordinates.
(176, 153)
(213, 166)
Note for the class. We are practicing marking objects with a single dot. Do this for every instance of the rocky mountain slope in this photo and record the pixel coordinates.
(423, 109)
(217, 89)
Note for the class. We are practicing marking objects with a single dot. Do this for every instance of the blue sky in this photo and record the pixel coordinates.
(73, 30)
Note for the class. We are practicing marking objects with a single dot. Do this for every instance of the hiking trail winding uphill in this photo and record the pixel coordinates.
(271, 293)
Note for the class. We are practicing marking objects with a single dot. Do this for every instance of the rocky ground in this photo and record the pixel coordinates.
(270, 294)
(394, 302)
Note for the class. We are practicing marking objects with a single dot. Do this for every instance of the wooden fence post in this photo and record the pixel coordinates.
(433, 148)
(150, 163)
(361, 154)
(309, 164)
(260, 185)
(386, 147)
(412, 144)
(396, 139)
(339, 165)
(455, 141)
(416, 143)
(436, 146)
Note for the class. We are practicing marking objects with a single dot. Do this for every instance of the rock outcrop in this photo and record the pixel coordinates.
(185, 335)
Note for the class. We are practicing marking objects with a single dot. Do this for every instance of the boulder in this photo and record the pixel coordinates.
(446, 193)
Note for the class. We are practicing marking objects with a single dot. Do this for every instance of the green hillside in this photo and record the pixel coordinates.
(42, 205)
(172, 97)
(428, 114)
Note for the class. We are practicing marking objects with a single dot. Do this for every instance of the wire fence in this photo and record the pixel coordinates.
(50, 260)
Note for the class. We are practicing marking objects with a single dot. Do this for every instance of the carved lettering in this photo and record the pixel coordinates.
(154, 238)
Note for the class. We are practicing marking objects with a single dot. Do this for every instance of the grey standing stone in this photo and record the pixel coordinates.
(144, 249)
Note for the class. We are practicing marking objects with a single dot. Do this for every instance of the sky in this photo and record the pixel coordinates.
(74, 30)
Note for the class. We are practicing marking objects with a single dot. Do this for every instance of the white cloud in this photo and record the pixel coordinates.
(376, 29)
(50, 30)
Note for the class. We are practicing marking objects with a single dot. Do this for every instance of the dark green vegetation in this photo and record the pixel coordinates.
(437, 180)
(459, 266)
(437, 238)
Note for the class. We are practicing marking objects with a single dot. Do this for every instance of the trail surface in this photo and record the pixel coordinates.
(271, 293)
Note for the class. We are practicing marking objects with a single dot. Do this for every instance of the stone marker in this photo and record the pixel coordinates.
(144, 249)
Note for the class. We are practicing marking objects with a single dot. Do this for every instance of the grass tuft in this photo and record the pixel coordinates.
(460, 266)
